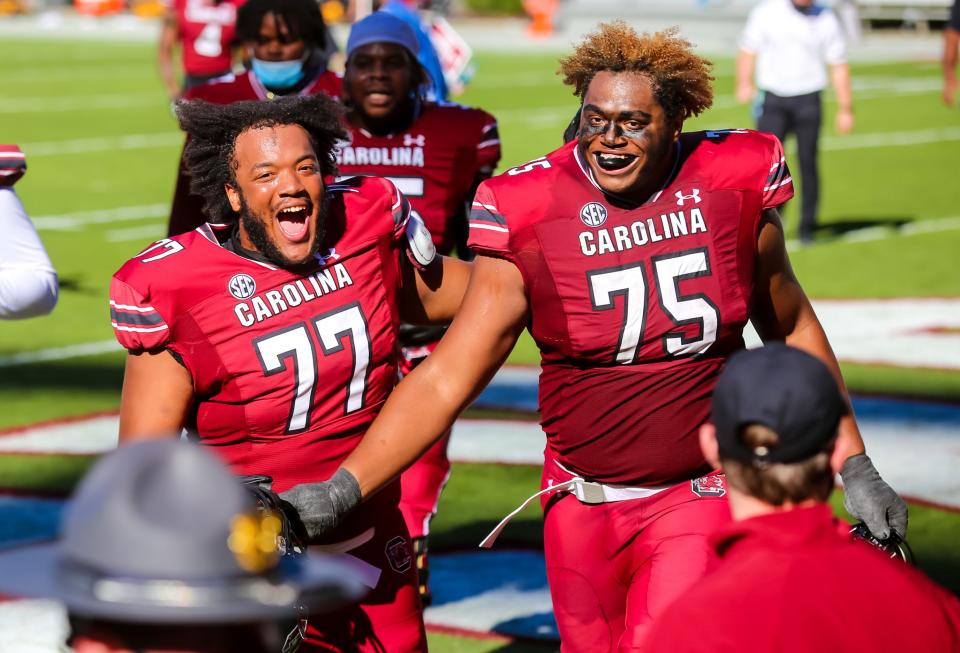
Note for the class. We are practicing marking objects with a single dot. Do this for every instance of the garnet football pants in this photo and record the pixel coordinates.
(613, 567)
(389, 619)
(422, 483)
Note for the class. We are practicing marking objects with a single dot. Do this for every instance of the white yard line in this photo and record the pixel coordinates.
(78, 219)
(78, 103)
(102, 144)
(60, 353)
(146, 233)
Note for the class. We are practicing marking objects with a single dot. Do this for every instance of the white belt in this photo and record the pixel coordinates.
(367, 573)
(588, 492)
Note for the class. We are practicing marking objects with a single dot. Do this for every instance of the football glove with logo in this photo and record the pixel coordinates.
(868, 497)
(321, 506)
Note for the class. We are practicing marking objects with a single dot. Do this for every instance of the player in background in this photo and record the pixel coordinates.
(28, 281)
(635, 255)
(286, 43)
(436, 154)
(276, 341)
(426, 53)
(204, 31)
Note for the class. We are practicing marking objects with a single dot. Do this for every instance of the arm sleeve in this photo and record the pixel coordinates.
(835, 43)
(28, 282)
(137, 324)
(778, 187)
(489, 231)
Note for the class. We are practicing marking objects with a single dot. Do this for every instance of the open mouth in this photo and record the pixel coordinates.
(378, 96)
(613, 162)
(293, 221)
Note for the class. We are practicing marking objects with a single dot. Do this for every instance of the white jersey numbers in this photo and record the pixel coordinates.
(294, 344)
(629, 282)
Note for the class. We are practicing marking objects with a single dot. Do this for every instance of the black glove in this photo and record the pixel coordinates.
(292, 537)
(321, 506)
(869, 498)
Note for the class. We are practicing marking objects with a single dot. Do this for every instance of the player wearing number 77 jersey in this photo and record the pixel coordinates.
(635, 255)
(276, 342)
(436, 154)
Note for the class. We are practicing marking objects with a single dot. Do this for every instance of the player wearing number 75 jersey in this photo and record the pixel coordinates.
(276, 340)
(635, 255)
(436, 154)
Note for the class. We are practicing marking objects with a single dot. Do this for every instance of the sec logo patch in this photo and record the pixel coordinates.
(242, 286)
(593, 214)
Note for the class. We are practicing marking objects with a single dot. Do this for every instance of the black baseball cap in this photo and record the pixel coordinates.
(785, 389)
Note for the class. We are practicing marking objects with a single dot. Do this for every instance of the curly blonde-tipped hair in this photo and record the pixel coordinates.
(681, 79)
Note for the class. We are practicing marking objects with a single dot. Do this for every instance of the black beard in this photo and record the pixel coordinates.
(253, 224)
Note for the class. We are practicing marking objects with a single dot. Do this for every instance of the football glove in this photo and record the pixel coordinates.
(322, 506)
(13, 165)
(868, 497)
(292, 539)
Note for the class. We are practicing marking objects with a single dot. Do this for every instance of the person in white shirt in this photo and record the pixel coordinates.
(789, 44)
(28, 282)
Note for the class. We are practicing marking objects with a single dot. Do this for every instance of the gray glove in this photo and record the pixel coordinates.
(321, 506)
(869, 498)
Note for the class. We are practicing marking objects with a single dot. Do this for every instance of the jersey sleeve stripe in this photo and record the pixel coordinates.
(488, 143)
(474, 225)
(777, 185)
(140, 319)
(120, 327)
(485, 215)
(127, 307)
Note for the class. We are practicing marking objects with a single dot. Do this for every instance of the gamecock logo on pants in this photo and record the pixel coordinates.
(709, 486)
(398, 554)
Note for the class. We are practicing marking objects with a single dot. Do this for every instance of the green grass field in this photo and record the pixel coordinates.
(100, 137)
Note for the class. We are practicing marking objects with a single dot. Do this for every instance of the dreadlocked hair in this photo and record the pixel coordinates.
(302, 19)
(681, 79)
(212, 131)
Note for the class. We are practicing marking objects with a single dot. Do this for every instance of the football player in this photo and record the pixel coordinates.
(635, 255)
(285, 41)
(205, 31)
(436, 154)
(275, 340)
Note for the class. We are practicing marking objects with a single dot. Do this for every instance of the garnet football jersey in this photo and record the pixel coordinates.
(207, 32)
(435, 163)
(186, 212)
(634, 308)
(288, 370)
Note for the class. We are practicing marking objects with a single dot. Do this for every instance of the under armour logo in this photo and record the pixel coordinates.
(330, 255)
(695, 196)
(419, 140)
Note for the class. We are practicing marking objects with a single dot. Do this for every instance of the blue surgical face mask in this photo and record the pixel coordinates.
(278, 75)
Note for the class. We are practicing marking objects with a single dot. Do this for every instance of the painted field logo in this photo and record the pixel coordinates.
(593, 214)
(242, 286)
(398, 554)
(709, 486)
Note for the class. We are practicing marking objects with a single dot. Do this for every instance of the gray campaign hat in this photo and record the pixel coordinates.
(161, 532)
